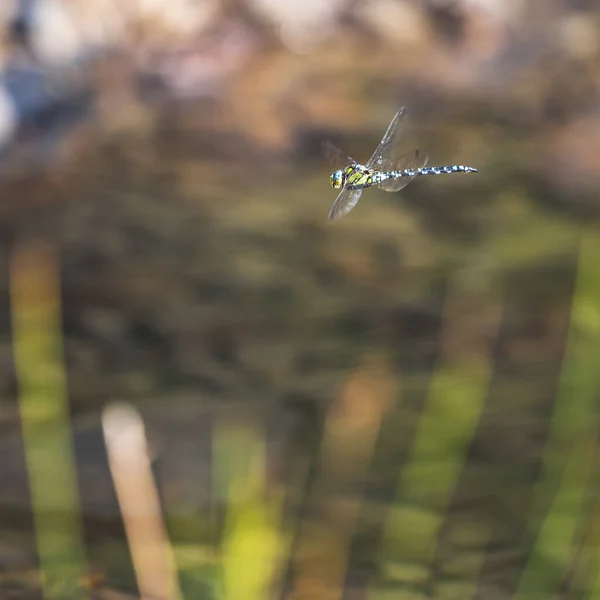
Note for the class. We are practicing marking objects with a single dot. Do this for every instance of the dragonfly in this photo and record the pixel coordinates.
(381, 170)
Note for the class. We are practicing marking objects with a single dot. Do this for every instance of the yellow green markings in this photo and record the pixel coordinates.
(254, 544)
(456, 397)
(559, 497)
(35, 299)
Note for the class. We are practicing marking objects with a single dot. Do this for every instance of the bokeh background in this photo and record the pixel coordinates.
(209, 392)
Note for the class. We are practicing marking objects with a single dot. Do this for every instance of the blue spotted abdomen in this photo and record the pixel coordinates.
(446, 170)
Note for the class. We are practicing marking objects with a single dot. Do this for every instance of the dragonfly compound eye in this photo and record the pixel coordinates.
(336, 179)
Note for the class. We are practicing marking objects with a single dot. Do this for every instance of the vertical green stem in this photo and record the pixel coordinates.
(43, 402)
(253, 539)
(569, 451)
(456, 397)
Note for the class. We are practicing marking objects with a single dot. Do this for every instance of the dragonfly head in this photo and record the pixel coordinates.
(337, 178)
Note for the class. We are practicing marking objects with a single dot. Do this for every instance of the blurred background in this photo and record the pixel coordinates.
(207, 391)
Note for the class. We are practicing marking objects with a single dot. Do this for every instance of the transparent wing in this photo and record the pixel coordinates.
(336, 156)
(389, 140)
(344, 203)
(414, 160)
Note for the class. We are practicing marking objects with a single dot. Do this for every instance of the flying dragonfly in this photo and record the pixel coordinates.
(390, 175)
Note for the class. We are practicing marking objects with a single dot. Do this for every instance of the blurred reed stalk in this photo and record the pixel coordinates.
(593, 531)
(456, 397)
(43, 400)
(138, 498)
(255, 543)
(320, 561)
(568, 458)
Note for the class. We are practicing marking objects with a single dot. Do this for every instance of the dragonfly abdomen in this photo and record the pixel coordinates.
(446, 170)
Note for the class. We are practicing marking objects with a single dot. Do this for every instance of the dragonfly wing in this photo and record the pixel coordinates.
(389, 140)
(335, 155)
(414, 160)
(347, 199)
